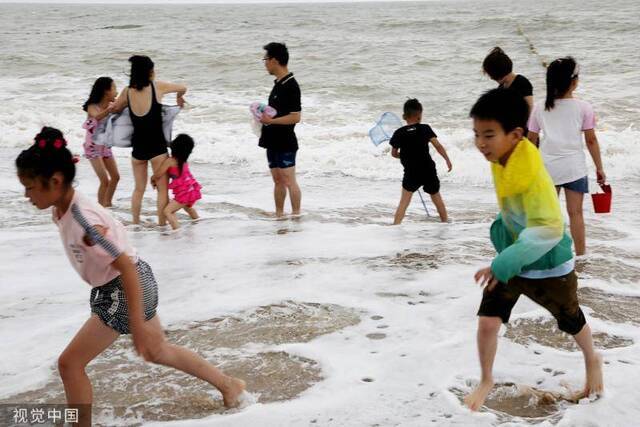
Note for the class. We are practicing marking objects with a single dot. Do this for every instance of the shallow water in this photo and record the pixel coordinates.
(333, 318)
(129, 390)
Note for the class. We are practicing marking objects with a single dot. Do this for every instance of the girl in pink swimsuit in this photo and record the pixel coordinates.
(98, 107)
(185, 188)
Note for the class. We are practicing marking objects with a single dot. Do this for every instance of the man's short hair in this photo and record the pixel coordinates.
(412, 107)
(278, 51)
(505, 106)
(497, 64)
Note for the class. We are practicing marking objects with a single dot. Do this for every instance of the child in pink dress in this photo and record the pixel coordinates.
(185, 188)
(98, 107)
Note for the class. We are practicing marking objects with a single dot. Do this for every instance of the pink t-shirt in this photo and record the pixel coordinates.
(89, 252)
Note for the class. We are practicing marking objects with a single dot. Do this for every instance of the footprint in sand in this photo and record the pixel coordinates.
(376, 336)
(513, 402)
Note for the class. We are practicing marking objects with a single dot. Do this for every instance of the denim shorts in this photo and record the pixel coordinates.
(281, 159)
(579, 185)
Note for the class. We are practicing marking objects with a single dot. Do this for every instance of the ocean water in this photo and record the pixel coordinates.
(379, 321)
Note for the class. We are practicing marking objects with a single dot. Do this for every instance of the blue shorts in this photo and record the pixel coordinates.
(579, 185)
(281, 159)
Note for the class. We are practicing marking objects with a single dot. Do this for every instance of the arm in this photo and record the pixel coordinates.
(395, 152)
(440, 149)
(94, 112)
(543, 231)
(162, 170)
(289, 119)
(166, 87)
(145, 340)
(594, 150)
(132, 290)
(121, 102)
(533, 137)
(529, 100)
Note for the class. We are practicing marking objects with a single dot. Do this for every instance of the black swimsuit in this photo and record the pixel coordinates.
(148, 138)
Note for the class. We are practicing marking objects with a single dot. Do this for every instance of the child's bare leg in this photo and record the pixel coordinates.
(170, 213)
(193, 364)
(592, 362)
(576, 220)
(91, 340)
(442, 210)
(405, 199)
(114, 177)
(101, 173)
(192, 212)
(487, 337)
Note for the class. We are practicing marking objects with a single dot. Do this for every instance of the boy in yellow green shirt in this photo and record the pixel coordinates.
(534, 251)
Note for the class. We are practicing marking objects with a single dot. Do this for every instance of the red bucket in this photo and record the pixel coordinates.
(602, 201)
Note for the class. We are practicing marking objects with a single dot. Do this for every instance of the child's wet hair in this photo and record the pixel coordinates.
(560, 75)
(505, 106)
(497, 64)
(48, 155)
(412, 107)
(181, 148)
(100, 87)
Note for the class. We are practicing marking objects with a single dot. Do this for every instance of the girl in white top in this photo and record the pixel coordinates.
(124, 293)
(563, 120)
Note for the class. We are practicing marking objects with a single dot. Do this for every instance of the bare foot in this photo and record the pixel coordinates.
(594, 383)
(476, 399)
(232, 391)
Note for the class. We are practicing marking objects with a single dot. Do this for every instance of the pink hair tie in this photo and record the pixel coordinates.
(42, 143)
(58, 143)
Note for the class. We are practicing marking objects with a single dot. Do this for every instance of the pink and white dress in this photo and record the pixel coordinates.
(185, 188)
(91, 149)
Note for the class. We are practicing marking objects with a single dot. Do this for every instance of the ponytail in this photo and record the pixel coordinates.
(47, 156)
(560, 75)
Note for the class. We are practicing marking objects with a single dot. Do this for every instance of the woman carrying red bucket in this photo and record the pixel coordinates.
(562, 120)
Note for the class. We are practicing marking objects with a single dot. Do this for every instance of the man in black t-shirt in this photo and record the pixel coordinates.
(500, 69)
(278, 136)
(411, 145)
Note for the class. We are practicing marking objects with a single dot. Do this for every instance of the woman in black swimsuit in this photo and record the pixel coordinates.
(143, 96)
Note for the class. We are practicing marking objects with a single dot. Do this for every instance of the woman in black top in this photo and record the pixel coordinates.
(500, 69)
(143, 97)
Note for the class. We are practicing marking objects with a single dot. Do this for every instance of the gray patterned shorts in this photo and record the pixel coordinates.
(109, 301)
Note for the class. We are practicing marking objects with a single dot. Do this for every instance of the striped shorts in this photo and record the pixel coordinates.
(109, 301)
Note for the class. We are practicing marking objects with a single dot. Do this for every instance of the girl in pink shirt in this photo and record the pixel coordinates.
(124, 293)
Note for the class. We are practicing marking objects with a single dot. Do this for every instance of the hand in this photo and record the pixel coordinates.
(449, 165)
(601, 176)
(265, 119)
(180, 101)
(110, 107)
(485, 276)
(147, 341)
